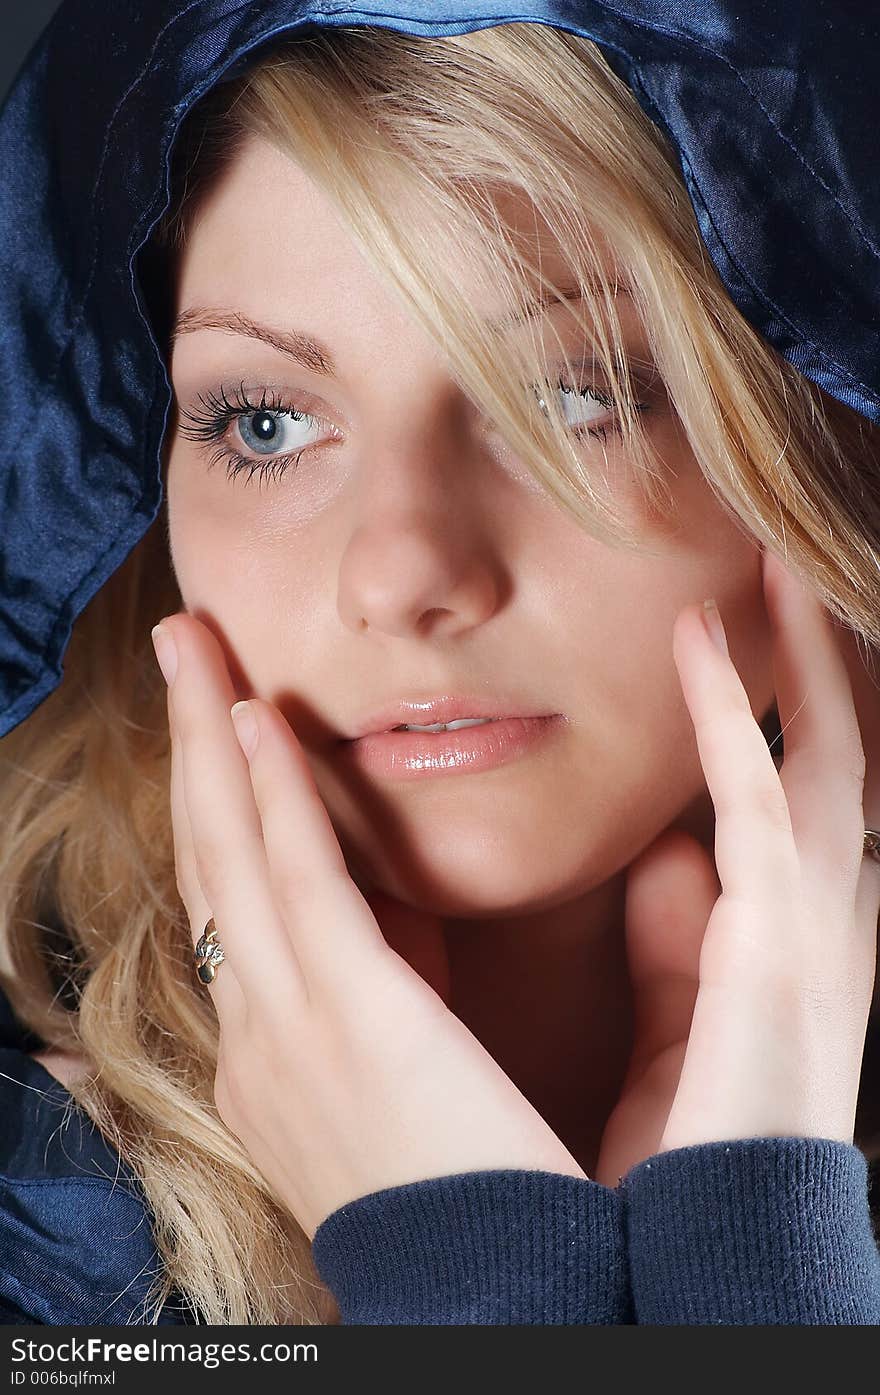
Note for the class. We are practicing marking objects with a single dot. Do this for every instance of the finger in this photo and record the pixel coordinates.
(227, 844)
(824, 766)
(755, 851)
(861, 663)
(867, 911)
(329, 921)
(862, 672)
(224, 989)
(671, 890)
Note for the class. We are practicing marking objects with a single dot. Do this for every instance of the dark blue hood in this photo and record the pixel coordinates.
(773, 109)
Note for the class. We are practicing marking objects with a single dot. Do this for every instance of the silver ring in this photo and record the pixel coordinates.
(872, 843)
(208, 953)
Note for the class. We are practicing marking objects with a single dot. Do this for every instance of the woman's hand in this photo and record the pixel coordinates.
(752, 984)
(340, 1069)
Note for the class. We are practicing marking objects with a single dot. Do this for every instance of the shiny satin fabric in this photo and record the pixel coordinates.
(771, 107)
(76, 1246)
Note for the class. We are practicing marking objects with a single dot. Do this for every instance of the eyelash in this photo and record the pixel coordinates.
(220, 413)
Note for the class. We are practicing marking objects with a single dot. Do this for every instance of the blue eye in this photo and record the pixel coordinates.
(266, 427)
(270, 431)
(576, 407)
(274, 428)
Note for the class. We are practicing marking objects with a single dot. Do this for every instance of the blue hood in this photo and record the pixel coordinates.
(771, 108)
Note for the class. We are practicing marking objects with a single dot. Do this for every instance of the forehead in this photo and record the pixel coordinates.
(266, 217)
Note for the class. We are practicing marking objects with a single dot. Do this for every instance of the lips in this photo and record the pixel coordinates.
(410, 755)
(426, 712)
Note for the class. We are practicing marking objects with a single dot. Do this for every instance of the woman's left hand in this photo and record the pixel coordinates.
(751, 1006)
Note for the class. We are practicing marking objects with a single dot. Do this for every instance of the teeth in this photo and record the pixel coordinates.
(448, 726)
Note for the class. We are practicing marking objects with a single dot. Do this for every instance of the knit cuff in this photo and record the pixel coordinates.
(761, 1231)
(492, 1247)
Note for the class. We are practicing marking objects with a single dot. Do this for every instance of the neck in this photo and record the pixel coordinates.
(548, 995)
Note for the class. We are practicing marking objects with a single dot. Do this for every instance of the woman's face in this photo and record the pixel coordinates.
(409, 555)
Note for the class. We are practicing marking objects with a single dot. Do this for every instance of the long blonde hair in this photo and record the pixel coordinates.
(95, 950)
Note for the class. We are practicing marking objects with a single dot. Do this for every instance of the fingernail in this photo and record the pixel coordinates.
(166, 652)
(714, 626)
(245, 727)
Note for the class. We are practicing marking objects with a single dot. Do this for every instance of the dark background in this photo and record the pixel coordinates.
(20, 24)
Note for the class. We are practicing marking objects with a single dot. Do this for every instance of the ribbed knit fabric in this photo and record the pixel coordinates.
(493, 1247)
(756, 1231)
(768, 1231)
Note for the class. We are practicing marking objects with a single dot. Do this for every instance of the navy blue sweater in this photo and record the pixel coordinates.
(760, 1231)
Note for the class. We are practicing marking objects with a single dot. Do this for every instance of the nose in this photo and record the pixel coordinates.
(423, 556)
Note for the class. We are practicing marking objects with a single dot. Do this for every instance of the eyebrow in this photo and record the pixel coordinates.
(302, 348)
(309, 352)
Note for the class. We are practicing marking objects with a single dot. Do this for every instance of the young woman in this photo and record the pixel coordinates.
(505, 1024)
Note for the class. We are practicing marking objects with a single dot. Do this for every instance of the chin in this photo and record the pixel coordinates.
(481, 886)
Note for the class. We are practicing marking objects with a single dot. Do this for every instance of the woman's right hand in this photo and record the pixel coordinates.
(340, 1068)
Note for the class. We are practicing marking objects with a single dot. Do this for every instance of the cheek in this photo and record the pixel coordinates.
(635, 753)
(708, 552)
(201, 549)
(221, 558)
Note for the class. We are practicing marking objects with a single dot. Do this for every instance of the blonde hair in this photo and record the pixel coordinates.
(95, 949)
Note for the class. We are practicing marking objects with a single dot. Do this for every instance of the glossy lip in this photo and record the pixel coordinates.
(415, 755)
(426, 712)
